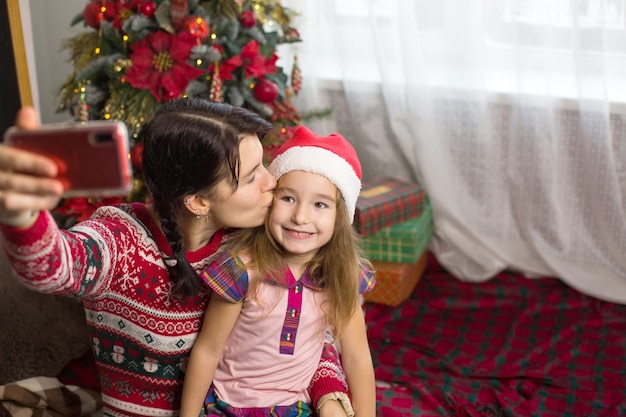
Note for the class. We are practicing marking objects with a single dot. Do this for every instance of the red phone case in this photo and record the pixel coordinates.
(93, 157)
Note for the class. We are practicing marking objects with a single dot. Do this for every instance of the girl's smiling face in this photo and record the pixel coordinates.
(302, 218)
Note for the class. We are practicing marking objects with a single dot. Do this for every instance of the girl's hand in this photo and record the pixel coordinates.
(27, 182)
(331, 408)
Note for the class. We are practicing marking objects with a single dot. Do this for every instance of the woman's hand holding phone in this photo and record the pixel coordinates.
(27, 180)
(39, 165)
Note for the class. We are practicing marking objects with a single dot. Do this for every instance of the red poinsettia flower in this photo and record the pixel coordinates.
(227, 66)
(160, 64)
(270, 64)
(254, 64)
(119, 10)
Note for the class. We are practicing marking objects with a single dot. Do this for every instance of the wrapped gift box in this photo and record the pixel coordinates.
(384, 202)
(395, 281)
(403, 242)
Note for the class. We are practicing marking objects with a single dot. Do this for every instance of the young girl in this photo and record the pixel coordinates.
(277, 288)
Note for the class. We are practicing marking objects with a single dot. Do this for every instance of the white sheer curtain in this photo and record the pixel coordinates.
(510, 113)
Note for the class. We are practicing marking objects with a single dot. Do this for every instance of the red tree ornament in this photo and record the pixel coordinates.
(92, 13)
(247, 19)
(292, 34)
(178, 11)
(265, 91)
(296, 76)
(197, 27)
(147, 8)
(215, 92)
(82, 110)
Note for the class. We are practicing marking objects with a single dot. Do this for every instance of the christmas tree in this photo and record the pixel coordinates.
(136, 54)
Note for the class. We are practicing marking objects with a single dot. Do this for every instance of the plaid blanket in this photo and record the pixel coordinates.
(511, 346)
(47, 397)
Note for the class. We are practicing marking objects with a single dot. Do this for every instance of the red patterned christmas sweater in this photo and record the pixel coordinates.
(141, 336)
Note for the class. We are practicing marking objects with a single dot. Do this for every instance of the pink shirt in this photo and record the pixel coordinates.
(274, 349)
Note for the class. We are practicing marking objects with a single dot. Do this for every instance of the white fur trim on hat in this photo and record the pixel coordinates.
(322, 162)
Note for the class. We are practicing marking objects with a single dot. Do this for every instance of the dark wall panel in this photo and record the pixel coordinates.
(9, 89)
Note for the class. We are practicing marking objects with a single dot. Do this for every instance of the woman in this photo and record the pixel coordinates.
(136, 266)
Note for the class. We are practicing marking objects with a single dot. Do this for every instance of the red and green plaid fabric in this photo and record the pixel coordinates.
(403, 242)
(384, 202)
(511, 346)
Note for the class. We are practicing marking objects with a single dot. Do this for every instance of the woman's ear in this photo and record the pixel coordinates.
(197, 205)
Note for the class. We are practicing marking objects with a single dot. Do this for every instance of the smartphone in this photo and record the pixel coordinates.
(93, 157)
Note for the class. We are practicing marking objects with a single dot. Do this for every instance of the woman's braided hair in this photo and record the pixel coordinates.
(190, 145)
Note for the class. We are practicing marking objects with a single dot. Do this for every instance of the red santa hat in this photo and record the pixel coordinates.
(331, 156)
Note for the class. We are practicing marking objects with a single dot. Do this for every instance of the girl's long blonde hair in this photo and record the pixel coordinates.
(336, 266)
